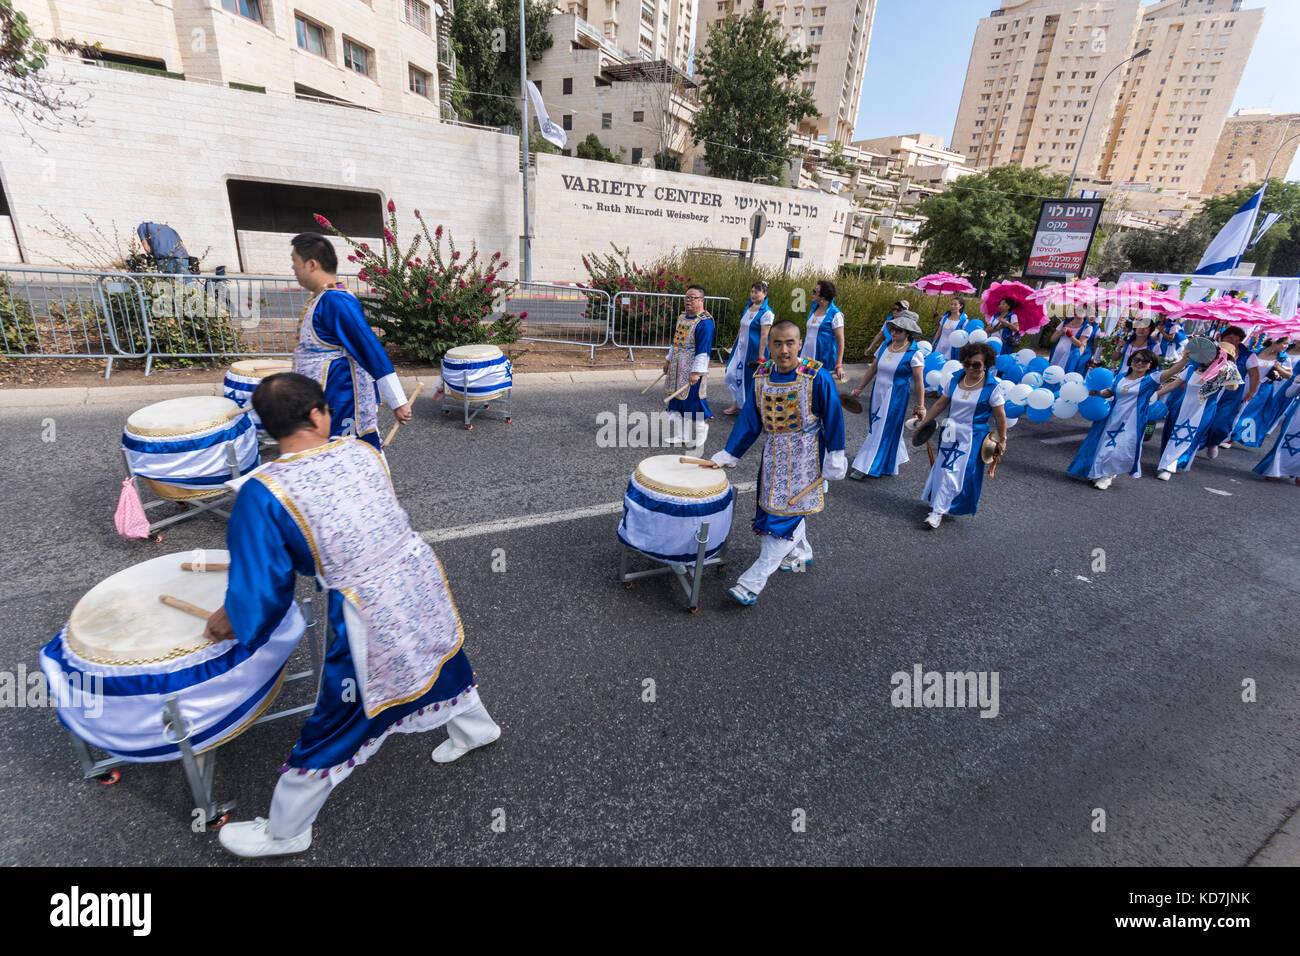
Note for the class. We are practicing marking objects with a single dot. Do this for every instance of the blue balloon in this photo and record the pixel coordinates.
(1054, 387)
(973, 324)
(1156, 411)
(933, 362)
(1094, 408)
(1014, 373)
(1099, 379)
(1038, 414)
(1038, 364)
(1013, 410)
(1003, 363)
(996, 346)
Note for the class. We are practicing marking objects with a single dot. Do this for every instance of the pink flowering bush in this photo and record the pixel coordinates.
(615, 273)
(431, 302)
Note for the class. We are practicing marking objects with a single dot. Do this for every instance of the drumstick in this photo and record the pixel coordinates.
(185, 606)
(702, 462)
(679, 393)
(815, 484)
(396, 425)
(930, 452)
(220, 566)
(653, 384)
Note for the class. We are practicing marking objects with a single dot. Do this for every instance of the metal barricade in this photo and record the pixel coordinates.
(562, 314)
(646, 320)
(60, 313)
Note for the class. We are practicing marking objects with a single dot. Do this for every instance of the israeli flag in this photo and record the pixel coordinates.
(1269, 219)
(1225, 251)
(690, 61)
(550, 132)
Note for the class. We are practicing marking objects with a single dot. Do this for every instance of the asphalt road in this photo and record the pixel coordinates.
(1118, 689)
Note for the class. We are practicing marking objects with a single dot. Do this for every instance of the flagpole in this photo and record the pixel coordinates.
(1259, 207)
(523, 97)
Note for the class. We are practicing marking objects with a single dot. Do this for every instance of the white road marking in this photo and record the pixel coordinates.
(506, 525)
(1062, 439)
(1216, 491)
(1080, 577)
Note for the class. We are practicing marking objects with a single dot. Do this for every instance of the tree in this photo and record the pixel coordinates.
(1278, 253)
(1173, 249)
(836, 159)
(593, 148)
(485, 35)
(748, 98)
(982, 225)
(27, 88)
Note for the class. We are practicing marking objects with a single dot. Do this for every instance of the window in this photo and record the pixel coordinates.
(417, 15)
(418, 81)
(636, 155)
(356, 57)
(568, 85)
(638, 116)
(606, 120)
(311, 36)
(245, 8)
(567, 122)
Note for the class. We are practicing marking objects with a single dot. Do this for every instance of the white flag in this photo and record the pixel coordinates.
(550, 132)
(1226, 249)
(1269, 219)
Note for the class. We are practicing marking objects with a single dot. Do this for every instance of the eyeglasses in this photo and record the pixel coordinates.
(973, 365)
(691, 298)
(1135, 361)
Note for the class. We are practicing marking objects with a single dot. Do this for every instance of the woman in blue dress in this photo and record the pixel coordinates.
(751, 344)
(897, 390)
(954, 320)
(1140, 338)
(1072, 344)
(1263, 411)
(1005, 324)
(823, 338)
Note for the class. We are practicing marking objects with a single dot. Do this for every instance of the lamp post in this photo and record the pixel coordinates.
(1136, 56)
(523, 97)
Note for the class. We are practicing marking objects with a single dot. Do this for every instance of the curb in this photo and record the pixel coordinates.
(1283, 847)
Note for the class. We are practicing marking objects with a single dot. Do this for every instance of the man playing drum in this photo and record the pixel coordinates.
(688, 365)
(326, 508)
(337, 348)
(794, 403)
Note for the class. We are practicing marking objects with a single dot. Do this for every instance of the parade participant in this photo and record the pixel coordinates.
(1072, 344)
(1283, 459)
(898, 391)
(1005, 324)
(1139, 338)
(794, 405)
(899, 307)
(394, 664)
(338, 349)
(1265, 409)
(1171, 340)
(973, 399)
(1114, 444)
(954, 320)
(824, 335)
(750, 347)
(1192, 408)
(1219, 434)
(688, 363)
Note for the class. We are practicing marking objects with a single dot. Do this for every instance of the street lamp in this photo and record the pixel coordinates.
(1136, 56)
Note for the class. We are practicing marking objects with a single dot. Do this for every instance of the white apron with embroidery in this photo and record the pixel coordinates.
(791, 482)
(313, 358)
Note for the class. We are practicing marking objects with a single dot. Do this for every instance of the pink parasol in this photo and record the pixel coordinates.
(943, 283)
(1080, 292)
(1030, 314)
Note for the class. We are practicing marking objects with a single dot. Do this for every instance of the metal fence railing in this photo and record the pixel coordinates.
(562, 314)
(646, 320)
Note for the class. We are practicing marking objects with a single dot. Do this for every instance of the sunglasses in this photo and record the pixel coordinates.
(1139, 361)
(972, 365)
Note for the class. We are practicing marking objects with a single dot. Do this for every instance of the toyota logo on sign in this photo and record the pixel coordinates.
(1050, 240)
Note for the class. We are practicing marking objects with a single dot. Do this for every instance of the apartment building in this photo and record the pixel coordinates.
(1250, 142)
(391, 55)
(642, 29)
(838, 32)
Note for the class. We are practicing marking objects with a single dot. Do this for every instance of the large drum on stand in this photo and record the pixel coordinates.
(243, 377)
(183, 448)
(473, 376)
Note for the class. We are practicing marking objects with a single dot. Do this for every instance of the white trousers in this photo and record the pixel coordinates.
(299, 798)
(771, 552)
(693, 431)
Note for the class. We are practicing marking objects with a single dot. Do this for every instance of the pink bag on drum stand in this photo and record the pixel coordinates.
(130, 517)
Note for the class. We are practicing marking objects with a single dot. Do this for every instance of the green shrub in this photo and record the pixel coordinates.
(17, 327)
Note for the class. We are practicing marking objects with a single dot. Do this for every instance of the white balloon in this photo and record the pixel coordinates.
(1063, 409)
(1011, 422)
(1025, 356)
(1053, 375)
(1073, 377)
(1018, 394)
(949, 367)
(925, 348)
(934, 378)
(978, 337)
(1074, 392)
(1032, 379)
(1040, 398)
(957, 339)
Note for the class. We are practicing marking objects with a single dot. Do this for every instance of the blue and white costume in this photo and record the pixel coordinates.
(958, 472)
(947, 326)
(1283, 459)
(689, 353)
(1230, 403)
(338, 350)
(1114, 444)
(819, 341)
(394, 662)
(741, 365)
(1072, 354)
(1257, 419)
(800, 415)
(1171, 350)
(891, 401)
(1006, 334)
(1190, 414)
(1130, 346)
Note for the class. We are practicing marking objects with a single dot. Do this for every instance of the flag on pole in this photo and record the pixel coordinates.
(550, 132)
(1269, 219)
(690, 61)
(1226, 249)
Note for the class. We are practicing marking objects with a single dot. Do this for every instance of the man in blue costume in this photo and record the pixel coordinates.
(337, 348)
(394, 664)
(688, 364)
(793, 402)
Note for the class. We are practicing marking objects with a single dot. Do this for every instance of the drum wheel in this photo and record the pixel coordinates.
(110, 778)
(696, 609)
(446, 413)
(469, 428)
(220, 822)
(509, 420)
(627, 586)
(156, 537)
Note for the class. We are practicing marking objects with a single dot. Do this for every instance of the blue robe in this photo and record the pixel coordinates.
(694, 403)
(1258, 418)
(339, 321)
(960, 441)
(1288, 441)
(267, 549)
(825, 405)
(827, 348)
(749, 357)
(1104, 431)
(1225, 413)
(896, 396)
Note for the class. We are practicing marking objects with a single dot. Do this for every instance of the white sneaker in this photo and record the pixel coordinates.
(932, 520)
(1164, 475)
(447, 751)
(743, 596)
(253, 839)
(1101, 484)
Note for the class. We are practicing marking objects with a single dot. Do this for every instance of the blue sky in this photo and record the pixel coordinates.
(919, 50)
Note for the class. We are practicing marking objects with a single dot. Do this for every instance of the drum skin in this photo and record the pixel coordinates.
(123, 654)
(179, 446)
(477, 372)
(667, 502)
